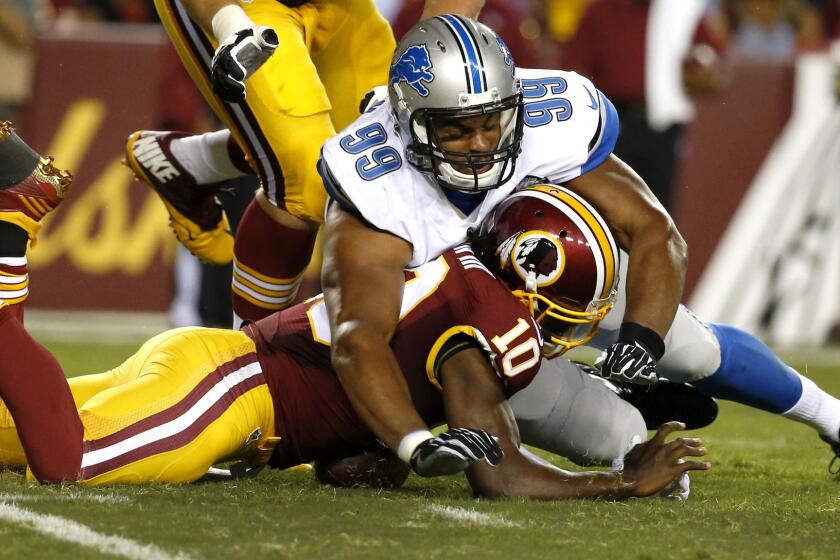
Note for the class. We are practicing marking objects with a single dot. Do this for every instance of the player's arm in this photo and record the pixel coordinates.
(474, 398)
(658, 253)
(363, 280)
(243, 45)
(464, 7)
(656, 268)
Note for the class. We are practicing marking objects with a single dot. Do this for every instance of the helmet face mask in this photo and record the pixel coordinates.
(557, 256)
(565, 327)
(449, 69)
(468, 170)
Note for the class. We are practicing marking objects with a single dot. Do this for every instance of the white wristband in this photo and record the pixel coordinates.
(410, 441)
(230, 20)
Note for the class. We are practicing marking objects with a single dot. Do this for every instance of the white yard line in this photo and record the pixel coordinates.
(95, 498)
(471, 516)
(63, 529)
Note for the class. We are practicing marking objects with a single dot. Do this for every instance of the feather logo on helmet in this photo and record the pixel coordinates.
(413, 68)
(539, 256)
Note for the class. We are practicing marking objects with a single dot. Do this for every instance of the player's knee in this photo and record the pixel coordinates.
(612, 432)
(692, 350)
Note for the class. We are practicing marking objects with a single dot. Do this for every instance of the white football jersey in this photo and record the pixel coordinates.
(570, 128)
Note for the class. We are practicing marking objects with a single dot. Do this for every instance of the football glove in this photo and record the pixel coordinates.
(629, 362)
(238, 57)
(454, 450)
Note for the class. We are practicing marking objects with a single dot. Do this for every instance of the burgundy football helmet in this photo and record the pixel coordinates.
(558, 256)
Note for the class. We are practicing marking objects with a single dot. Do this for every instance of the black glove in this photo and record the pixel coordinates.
(454, 450)
(633, 358)
(238, 57)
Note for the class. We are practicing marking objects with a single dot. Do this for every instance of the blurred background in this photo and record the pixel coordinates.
(729, 111)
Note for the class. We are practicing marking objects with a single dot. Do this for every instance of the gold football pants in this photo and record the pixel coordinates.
(331, 53)
(189, 398)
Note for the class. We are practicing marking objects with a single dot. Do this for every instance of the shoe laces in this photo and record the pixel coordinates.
(46, 172)
(6, 129)
(834, 464)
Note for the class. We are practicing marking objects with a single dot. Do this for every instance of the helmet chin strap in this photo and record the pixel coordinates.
(531, 282)
(451, 176)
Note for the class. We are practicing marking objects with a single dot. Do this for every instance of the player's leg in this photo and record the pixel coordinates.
(369, 43)
(195, 215)
(33, 387)
(31, 382)
(198, 397)
(275, 239)
(82, 388)
(570, 413)
(728, 363)
(30, 188)
(281, 126)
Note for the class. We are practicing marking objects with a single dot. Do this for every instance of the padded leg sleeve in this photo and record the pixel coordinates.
(750, 373)
(572, 414)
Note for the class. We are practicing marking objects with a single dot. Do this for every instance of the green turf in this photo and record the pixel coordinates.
(768, 496)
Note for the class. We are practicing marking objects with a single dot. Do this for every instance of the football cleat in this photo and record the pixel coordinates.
(195, 214)
(834, 464)
(26, 203)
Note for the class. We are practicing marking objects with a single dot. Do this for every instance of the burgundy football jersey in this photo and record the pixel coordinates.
(451, 296)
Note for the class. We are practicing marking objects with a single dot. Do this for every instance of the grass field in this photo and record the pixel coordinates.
(768, 496)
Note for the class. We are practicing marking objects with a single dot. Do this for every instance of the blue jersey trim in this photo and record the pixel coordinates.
(608, 131)
(464, 201)
(332, 187)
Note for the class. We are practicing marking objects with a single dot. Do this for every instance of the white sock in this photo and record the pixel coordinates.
(816, 408)
(205, 157)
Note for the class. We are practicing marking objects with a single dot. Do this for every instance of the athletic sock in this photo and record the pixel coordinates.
(750, 373)
(206, 157)
(268, 264)
(818, 409)
(34, 389)
(14, 284)
(13, 240)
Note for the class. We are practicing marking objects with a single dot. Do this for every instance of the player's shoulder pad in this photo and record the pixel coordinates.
(568, 105)
(363, 169)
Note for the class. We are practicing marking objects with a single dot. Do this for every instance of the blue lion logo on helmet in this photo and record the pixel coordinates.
(413, 67)
(505, 51)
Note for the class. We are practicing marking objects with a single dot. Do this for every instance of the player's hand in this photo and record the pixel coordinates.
(238, 57)
(651, 466)
(629, 362)
(454, 450)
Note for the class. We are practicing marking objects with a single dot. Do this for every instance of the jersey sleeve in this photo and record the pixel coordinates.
(497, 323)
(570, 126)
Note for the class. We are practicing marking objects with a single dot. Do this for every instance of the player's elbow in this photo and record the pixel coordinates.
(657, 228)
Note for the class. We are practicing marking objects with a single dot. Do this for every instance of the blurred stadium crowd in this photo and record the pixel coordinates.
(602, 39)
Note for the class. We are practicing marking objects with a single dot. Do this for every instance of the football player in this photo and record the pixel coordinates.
(307, 65)
(459, 130)
(192, 397)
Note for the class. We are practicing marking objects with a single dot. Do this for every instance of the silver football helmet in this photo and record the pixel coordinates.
(448, 68)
